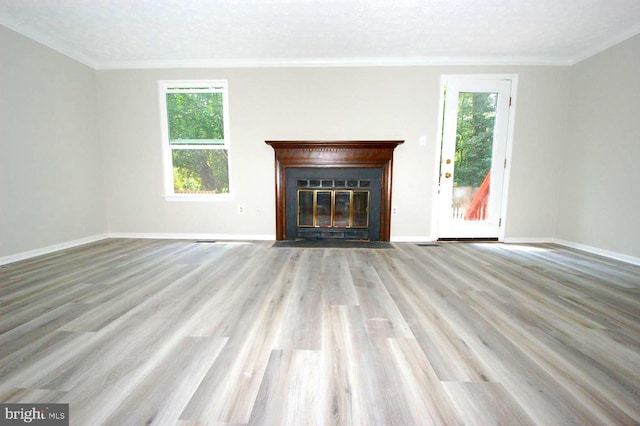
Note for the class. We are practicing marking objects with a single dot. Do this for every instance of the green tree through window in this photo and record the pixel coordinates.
(197, 139)
(474, 138)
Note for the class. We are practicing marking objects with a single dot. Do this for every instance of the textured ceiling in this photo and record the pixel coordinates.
(159, 33)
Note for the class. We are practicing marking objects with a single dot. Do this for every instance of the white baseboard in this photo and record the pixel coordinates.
(517, 240)
(179, 236)
(50, 249)
(583, 247)
(413, 239)
(595, 250)
(261, 237)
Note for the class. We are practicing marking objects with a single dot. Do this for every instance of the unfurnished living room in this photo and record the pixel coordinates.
(306, 212)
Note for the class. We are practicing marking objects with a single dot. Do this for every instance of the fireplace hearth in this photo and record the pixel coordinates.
(333, 190)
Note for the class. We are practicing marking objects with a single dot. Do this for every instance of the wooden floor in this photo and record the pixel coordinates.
(132, 332)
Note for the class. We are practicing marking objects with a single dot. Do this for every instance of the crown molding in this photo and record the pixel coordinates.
(426, 61)
(601, 47)
(335, 62)
(49, 42)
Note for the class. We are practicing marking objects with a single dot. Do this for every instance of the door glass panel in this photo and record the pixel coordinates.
(341, 213)
(305, 208)
(323, 209)
(473, 154)
(360, 209)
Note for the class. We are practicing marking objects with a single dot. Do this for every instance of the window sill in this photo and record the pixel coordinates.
(198, 198)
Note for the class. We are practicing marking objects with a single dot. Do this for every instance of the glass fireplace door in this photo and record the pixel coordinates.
(340, 203)
(333, 209)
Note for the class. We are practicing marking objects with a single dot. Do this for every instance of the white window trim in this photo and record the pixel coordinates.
(192, 86)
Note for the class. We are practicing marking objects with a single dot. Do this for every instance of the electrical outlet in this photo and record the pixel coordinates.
(240, 209)
(394, 211)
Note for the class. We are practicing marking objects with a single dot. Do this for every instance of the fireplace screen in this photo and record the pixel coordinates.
(333, 209)
(332, 203)
(336, 203)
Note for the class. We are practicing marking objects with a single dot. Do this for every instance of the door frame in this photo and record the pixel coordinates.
(435, 210)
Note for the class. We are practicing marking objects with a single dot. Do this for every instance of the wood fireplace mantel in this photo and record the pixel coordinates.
(334, 154)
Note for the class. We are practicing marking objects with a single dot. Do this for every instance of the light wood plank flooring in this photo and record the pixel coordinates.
(132, 332)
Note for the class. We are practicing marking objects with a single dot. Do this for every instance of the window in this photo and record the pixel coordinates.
(195, 139)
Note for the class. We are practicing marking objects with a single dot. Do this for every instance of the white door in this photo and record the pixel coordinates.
(473, 157)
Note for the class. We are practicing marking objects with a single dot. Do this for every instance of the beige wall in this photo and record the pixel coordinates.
(51, 180)
(600, 203)
(74, 159)
(540, 132)
(325, 104)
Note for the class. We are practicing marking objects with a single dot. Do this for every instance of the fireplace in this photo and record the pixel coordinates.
(333, 190)
(341, 203)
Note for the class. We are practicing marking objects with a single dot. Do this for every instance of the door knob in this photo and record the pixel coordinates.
(447, 175)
